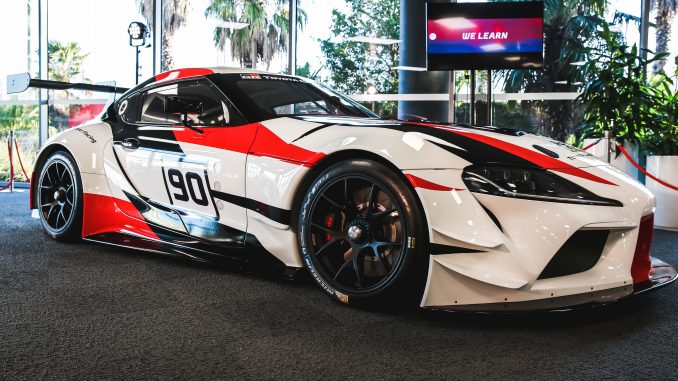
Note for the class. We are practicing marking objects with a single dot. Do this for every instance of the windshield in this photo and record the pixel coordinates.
(264, 96)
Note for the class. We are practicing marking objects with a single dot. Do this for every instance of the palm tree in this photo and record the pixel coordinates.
(174, 14)
(65, 61)
(263, 37)
(666, 10)
(65, 65)
(570, 27)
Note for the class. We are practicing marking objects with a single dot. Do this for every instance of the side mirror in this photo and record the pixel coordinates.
(183, 105)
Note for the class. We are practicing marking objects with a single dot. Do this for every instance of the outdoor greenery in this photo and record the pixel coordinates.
(305, 71)
(666, 11)
(619, 97)
(569, 26)
(28, 150)
(619, 91)
(354, 66)
(662, 137)
(624, 89)
(174, 14)
(17, 117)
(65, 64)
(23, 120)
(65, 61)
(266, 33)
(517, 115)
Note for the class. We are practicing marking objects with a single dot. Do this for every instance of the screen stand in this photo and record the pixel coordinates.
(452, 109)
(489, 97)
(472, 100)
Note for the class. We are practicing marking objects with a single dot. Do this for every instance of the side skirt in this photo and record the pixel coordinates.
(253, 257)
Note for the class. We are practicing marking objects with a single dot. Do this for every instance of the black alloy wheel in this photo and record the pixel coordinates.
(359, 231)
(60, 198)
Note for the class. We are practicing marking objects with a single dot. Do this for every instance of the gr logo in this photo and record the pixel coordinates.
(122, 107)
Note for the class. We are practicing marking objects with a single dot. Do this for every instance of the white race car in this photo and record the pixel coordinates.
(270, 171)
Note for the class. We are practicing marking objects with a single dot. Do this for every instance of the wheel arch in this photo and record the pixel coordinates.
(337, 157)
(39, 163)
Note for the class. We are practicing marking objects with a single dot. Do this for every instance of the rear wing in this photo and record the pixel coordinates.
(18, 83)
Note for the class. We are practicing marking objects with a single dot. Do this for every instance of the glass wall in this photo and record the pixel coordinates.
(351, 45)
(544, 101)
(222, 33)
(18, 113)
(94, 49)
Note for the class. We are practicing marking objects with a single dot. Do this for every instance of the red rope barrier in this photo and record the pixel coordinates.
(18, 155)
(591, 145)
(11, 167)
(630, 159)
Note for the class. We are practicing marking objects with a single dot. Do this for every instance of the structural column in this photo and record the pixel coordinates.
(292, 50)
(156, 36)
(43, 61)
(413, 53)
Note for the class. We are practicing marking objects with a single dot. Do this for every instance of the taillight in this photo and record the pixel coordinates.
(641, 267)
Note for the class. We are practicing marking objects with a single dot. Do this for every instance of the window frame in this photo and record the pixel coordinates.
(236, 118)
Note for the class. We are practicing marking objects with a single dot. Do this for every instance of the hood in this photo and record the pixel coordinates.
(479, 144)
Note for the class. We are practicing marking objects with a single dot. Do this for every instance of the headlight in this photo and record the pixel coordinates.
(529, 183)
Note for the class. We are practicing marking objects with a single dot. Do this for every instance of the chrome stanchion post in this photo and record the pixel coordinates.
(608, 145)
(11, 165)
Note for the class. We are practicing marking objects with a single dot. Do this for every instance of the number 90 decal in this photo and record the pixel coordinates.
(189, 190)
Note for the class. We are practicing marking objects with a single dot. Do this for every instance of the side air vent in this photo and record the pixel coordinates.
(580, 253)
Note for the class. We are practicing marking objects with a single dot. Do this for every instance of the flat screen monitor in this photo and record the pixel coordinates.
(476, 36)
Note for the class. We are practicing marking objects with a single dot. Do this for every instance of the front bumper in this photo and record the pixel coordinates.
(661, 275)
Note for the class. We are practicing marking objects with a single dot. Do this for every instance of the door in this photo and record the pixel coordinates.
(192, 164)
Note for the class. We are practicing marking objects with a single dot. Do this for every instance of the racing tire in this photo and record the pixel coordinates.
(362, 236)
(59, 198)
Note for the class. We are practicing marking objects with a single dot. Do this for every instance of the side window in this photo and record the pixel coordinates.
(216, 110)
(153, 106)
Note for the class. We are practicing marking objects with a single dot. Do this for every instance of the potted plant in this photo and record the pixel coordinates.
(616, 97)
(661, 143)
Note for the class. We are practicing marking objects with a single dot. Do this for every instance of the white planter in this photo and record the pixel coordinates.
(600, 150)
(666, 169)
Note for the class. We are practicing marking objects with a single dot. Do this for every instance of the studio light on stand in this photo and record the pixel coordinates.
(138, 33)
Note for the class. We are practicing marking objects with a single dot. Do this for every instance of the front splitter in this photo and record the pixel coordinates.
(661, 275)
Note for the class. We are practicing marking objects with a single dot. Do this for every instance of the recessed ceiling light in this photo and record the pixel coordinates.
(492, 47)
(409, 68)
(232, 25)
(456, 23)
(373, 40)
